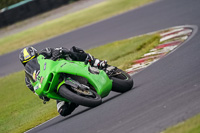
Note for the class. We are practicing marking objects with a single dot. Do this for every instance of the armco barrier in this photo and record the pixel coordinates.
(28, 10)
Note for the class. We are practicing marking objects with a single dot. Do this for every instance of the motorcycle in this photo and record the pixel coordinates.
(78, 82)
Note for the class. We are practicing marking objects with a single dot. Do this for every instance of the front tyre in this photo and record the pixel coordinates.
(122, 81)
(89, 98)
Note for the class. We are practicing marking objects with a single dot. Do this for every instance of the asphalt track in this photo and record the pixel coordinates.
(164, 94)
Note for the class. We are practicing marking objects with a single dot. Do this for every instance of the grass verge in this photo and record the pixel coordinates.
(122, 53)
(67, 23)
(21, 110)
(191, 125)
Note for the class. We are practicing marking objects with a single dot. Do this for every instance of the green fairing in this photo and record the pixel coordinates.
(48, 83)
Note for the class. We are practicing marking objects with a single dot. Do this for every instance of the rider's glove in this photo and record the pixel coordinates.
(102, 64)
(96, 62)
(90, 59)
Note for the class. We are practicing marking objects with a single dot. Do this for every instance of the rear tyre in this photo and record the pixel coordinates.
(92, 99)
(122, 82)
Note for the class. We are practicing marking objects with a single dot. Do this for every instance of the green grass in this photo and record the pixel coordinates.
(68, 23)
(191, 125)
(21, 110)
(122, 53)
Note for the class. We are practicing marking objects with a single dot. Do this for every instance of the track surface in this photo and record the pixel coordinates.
(165, 93)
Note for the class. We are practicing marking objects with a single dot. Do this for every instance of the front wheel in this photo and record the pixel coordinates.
(122, 81)
(87, 98)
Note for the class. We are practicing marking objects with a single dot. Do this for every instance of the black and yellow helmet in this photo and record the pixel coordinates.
(27, 54)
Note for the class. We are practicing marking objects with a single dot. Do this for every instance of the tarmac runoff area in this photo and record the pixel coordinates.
(170, 40)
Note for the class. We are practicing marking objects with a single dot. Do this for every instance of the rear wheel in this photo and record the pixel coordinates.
(122, 81)
(87, 97)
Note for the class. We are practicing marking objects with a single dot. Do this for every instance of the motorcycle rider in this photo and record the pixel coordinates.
(28, 57)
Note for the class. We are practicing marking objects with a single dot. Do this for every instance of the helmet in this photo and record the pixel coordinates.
(27, 54)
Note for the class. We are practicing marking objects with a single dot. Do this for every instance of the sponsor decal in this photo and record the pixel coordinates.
(63, 64)
(34, 75)
(45, 65)
(41, 79)
(36, 87)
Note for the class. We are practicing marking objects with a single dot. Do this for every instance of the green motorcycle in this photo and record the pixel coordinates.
(78, 82)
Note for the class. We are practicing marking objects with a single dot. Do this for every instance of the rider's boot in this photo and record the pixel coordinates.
(65, 108)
